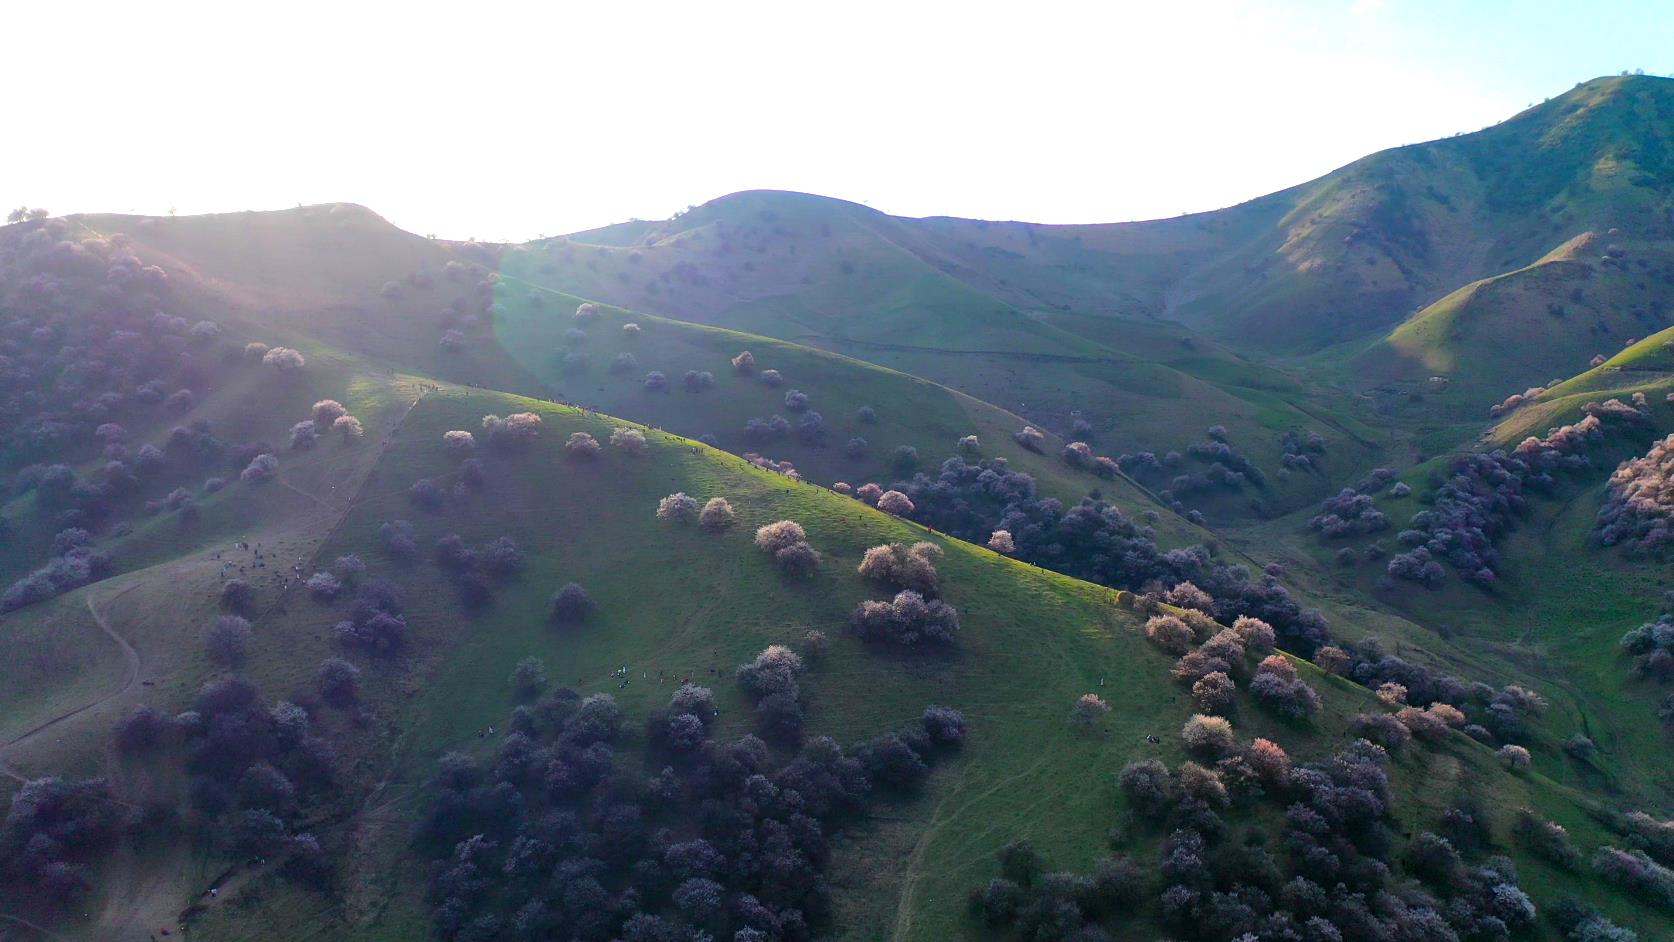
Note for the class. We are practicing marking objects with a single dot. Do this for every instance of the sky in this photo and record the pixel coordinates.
(508, 121)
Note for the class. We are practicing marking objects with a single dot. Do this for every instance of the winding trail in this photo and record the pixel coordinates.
(133, 671)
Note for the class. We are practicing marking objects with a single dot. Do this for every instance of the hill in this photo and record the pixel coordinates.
(1029, 643)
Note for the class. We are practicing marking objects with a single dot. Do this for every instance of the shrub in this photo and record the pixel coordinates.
(327, 411)
(1209, 735)
(856, 448)
(944, 725)
(630, 440)
(969, 445)
(1089, 710)
(571, 604)
(624, 362)
(1031, 438)
(348, 428)
(771, 378)
(338, 682)
(517, 430)
(1653, 882)
(586, 312)
(1276, 685)
(798, 559)
(631, 331)
(1383, 729)
(528, 678)
(1516, 758)
(1269, 761)
(1170, 633)
(777, 536)
(324, 586)
(1546, 839)
(678, 507)
(655, 381)
(1000, 541)
(699, 380)
(237, 596)
(458, 442)
(744, 364)
(1257, 635)
(904, 460)
(581, 445)
(260, 468)
(1332, 659)
(1148, 787)
(716, 515)
(283, 359)
(1214, 693)
(900, 566)
(895, 502)
(228, 642)
(907, 619)
(866, 415)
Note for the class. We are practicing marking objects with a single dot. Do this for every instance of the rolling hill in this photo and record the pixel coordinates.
(1302, 401)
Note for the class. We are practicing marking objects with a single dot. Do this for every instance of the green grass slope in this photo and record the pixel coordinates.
(1031, 642)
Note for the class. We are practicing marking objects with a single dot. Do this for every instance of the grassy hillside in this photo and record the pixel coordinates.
(1030, 642)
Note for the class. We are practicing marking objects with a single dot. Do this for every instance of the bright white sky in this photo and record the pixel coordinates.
(507, 121)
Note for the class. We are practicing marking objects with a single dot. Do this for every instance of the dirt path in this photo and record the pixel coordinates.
(133, 671)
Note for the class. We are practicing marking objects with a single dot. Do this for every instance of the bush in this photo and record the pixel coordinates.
(324, 586)
(716, 515)
(1031, 438)
(1148, 787)
(459, 443)
(655, 381)
(1214, 693)
(1546, 839)
(629, 440)
(899, 566)
(798, 559)
(283, 359)
(228, 642)
(771, 378)
(528, 678)
(1516, 758)
(678, 507)
(338, 682)
(1209, 735)
(238, 596)
(744, 364)
(1089, 710)
(699, 380)
(582, 445)
(777, 536)
(1276, 686)
(1000, 541)
(944, 725)
(518, 430)
(908, 619)
(571, 604)
(895, 502)
(1170, 633)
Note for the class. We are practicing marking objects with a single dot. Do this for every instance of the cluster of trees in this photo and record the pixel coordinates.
(375, 624)
(1029, 902)
(1485, 493)
(1221, 658)
(1349, 513)
(329, 416)
(1334, 879)
(787, 543)
(715, 515)
(254, 768)
(558, 838)
(914, 615)
(1301, 451)
(1651, 646)
(53, 830)
(1639, 513)
(1097, 542)
(518, 430)
(770, 681)
(1511, 402)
